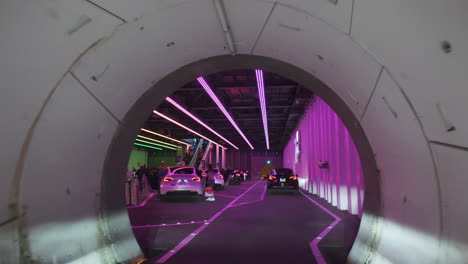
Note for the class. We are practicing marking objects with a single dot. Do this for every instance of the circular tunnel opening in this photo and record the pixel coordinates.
(123, 142)
(181, 87)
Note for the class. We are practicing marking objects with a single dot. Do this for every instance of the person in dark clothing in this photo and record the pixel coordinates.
(153, 179)
(142, 171)
(162, 171)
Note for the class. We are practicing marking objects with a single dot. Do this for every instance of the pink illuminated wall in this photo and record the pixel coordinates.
(323, 137)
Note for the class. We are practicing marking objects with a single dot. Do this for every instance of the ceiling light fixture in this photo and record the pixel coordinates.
(174, 103)
(184, 127)
(160, 135)
(156, 144)
(221, 107)
(161, 142)
(146, 146)
(261, 96)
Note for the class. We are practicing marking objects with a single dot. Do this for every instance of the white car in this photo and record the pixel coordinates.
(182, 180)
(219, 178)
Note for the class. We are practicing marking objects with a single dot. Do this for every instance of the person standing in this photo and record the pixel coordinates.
(209, 190)
(142, 171)
(162, 171)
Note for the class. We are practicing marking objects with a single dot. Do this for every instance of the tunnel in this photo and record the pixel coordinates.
(80, 78)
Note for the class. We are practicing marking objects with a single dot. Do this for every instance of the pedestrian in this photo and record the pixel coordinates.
(153, 179)
(162, 171)
(142, 171)
(209, 189)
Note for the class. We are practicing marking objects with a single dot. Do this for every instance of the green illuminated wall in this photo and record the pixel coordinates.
(137, 158)
(155, 158)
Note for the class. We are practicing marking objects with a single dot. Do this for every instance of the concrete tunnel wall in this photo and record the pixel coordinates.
(72, 72)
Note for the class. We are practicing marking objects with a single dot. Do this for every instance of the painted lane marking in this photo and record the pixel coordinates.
(251, 198)
(314, 243)
(178, 224)
(224, 195)
(143, 203)
(201, 228)
(241, 204)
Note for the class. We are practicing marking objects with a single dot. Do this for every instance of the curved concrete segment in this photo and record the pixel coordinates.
(80, 77)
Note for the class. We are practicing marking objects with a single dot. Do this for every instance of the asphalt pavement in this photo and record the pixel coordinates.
(245, 224)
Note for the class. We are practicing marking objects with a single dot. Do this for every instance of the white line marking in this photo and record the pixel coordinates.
(263, 194)
(224, 195)
(314, 243)
(246, 200)
(178, 224)
(143, 203)
(201, 228)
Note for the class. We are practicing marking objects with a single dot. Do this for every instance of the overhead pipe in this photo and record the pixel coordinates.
(224, 25)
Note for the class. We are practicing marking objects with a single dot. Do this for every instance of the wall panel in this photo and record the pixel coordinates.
(323, 137)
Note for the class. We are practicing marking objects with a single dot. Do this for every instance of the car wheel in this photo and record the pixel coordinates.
(162, 197)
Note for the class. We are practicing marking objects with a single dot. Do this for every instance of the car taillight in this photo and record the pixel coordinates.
(220, 176)
(237, 174)
(168, 179)
(195, 179)
(271, 177)
(293, 178)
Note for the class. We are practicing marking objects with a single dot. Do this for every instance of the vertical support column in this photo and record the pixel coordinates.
(210, 155)
(223, 158)
(217, 156)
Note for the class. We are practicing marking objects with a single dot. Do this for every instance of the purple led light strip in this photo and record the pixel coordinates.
(179, 124)
(261, 96)
(314, 243)
(221, 107)
(174, 103)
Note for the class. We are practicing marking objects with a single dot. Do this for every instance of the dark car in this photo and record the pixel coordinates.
(234, 177)
(282, 179)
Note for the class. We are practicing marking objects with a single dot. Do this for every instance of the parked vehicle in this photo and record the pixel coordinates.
(218, 177)
(246, 175)
(235, 177)
(182, 180)
(282, 179)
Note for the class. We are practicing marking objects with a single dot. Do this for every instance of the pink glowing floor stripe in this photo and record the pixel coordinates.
(314, 243)
(235, 205)
(224, 195)
(263, 194)
(201, 228)
(163, 225)
(262, 197)
(143, 203)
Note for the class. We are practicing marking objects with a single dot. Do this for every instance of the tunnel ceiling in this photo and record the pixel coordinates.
(237, 90)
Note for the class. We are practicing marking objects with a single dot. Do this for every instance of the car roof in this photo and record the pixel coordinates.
(184, 167)
(282, 169)
(213, 169)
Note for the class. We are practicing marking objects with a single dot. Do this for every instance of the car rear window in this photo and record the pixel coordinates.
(173, 168)
(283, 171)
(183, 171)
